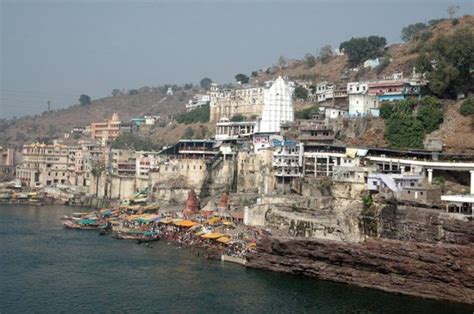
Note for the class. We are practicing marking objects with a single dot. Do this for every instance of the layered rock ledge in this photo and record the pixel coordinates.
(436, 271)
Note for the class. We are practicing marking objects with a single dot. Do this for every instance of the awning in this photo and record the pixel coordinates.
(213, 220)
(212, 235)
(185, 223)
(224, 239)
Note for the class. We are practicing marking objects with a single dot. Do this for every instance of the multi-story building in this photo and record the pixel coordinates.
(288, 158)
(248, 100)
(278, 106)
(226, 103)
(229, 130)
(44, 165)
(106, 131)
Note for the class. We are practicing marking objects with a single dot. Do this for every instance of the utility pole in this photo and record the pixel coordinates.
(49, 105)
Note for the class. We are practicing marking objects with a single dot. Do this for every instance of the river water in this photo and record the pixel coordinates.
(46, 268)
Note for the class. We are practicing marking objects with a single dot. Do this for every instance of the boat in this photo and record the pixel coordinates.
(138, 235)
(71, 225)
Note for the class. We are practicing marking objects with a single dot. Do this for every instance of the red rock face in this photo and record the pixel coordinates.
(224, 201)
(192, 204)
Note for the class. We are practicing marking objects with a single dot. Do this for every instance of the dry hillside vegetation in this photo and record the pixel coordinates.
(55, 123)
(457, 131)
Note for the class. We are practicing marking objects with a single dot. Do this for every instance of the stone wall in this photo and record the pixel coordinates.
(424, 270)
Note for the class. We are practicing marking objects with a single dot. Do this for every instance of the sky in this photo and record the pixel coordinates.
(57, 50)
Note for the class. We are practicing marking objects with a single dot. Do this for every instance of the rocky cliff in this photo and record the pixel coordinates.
(444, 272)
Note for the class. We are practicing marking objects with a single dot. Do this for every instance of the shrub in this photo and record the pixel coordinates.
(467, 107)
(301, 93)
(307, 113)
(238, 118)
(194, 116)
(131, 141)
(404, 128)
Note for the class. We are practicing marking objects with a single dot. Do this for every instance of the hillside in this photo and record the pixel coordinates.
(55, 123)
(337, 69)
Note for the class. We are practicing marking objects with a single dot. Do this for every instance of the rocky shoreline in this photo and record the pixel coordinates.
(441, 272)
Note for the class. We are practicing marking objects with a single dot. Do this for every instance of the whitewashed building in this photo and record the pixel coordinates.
(360, 102)
(278, 106)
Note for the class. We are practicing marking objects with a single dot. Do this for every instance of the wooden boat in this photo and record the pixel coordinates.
(139, 236)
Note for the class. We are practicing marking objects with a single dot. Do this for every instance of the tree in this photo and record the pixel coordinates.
(205, 83)
(309, 60)
(242, 78)
(452, 10)
(360, 49)
(254, 74)
(325, 53)
(84, 100)
(188, 86)
(116, 92)
(447, 63)
(282, 61)
(301, 93)
(407, 127)
(97, 167)
(133, 92)
(412, 30)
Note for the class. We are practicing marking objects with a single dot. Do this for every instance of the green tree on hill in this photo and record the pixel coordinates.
(360, 49)
(242, 78)
(412, 30)
(301, 93)
(407, 127)
(448, 63)
(205, 83)
(84, 100)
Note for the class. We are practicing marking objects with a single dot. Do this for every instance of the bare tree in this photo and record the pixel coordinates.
(452, 10)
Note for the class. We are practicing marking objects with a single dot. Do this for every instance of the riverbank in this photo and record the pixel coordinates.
(47, 269)
(417, 269)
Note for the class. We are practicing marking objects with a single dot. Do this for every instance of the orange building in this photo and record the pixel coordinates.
(106, 131)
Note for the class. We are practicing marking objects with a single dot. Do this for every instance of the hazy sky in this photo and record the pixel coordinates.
(56, 50)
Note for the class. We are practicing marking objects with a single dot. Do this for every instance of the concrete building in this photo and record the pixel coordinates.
(229, 130)
(278, 106)
(352, 174)
(44, 165)
(333, 113)
(424, 193)
(459, 204)
(106, 131)
(392, 184)
(198, 101)
(361, 105)
(287, 158)
(226, 103)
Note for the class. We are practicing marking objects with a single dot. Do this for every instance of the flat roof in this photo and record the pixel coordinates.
(466, 198)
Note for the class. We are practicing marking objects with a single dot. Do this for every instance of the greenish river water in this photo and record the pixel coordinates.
(46, 268)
